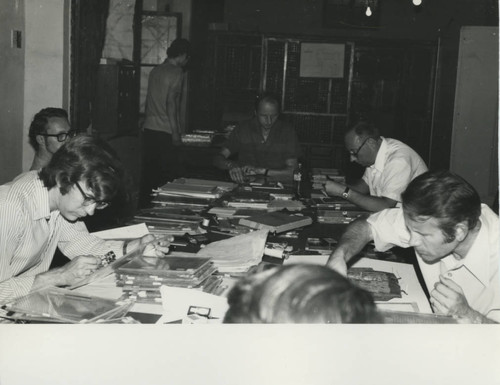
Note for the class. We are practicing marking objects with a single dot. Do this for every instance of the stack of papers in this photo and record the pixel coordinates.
(337, 216)
(276, 222)
(142, 277)
(322, 202)
(169, 220)
(237, 254)
(319, 176)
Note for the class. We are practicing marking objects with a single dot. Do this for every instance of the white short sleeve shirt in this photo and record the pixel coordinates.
(477, 274)
(396, 165)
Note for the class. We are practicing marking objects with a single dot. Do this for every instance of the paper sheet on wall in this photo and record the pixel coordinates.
(321, 60)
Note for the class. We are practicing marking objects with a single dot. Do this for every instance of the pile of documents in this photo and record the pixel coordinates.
(195, 188)
(163, 220)
(198, 138)
(65, 306)
(277, 221)
(339, 216)
(142, 277)
(319, 176)
(237, 254)
(190, 193)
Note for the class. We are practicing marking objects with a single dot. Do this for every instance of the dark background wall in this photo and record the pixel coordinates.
(438, 20)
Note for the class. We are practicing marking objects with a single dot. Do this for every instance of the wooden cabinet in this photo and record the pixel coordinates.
(115, 110)
(474, 146)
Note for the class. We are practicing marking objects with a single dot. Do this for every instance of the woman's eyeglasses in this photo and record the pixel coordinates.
(88, 200)
(63, 136)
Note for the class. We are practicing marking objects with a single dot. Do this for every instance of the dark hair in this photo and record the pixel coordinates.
(445, 196)
(301, 293)
(267, 97)
(179, 47)
(365, 129)
(89, 159)
(41, 119)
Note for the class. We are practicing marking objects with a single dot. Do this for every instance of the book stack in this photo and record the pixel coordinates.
(190, 193)
(332, 203)
(198, 138)
(319, 176)
(195, 188)
(163, 220)
(142, 277)
(338, 216)
(321, 245)
(276, 222)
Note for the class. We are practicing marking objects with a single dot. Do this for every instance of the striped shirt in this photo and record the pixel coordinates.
(30, 233)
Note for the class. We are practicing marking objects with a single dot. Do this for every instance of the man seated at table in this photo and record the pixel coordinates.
(299, 293)
(390, 166)
(265, 145)
(454, 236)
(49, 130)
(40, 211)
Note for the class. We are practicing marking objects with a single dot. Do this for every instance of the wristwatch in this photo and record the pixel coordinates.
(345, 194)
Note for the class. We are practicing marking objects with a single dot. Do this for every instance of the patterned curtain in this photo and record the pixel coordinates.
(88, 30)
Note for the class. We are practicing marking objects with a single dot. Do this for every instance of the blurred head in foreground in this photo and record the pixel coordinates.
(299, 293)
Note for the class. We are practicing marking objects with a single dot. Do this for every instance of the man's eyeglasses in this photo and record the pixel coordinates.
(355, 153)
(63, 136)
(88, 200)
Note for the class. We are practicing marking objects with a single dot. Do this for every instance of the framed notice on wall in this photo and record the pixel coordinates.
(322, 60)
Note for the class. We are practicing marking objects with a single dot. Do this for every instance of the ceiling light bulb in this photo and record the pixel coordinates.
(369, 11)
(417, 2)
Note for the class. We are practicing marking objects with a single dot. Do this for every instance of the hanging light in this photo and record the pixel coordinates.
(371, 6)
(417, 2)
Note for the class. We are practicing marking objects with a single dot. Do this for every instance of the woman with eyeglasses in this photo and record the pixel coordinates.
(40, 211)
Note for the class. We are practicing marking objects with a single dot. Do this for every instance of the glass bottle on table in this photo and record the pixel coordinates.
(298, 175)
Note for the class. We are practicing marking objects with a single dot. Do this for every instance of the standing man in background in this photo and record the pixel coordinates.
(390, 166)
(49, 130)
(162, 129)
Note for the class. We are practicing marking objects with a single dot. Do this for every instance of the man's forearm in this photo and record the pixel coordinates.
(356, 236)
(221, 162)
(53, 277)
(369, 202)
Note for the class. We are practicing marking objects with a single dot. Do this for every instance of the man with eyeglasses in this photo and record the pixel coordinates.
(42, 210)
(49, 130)
(390, 166)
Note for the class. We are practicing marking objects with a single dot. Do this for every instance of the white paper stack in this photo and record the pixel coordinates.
(237, 254)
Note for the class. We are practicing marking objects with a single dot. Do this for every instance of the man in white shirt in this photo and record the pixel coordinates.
(390, 166)
(455, 238)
